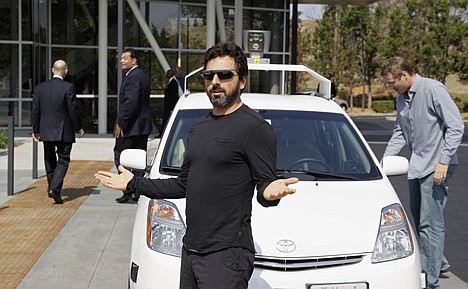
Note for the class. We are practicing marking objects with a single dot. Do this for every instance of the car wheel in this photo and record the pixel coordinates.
(343, 106)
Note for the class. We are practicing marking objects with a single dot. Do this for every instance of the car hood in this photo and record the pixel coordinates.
(323, 219)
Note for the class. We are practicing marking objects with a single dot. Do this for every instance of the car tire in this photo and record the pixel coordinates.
(344, 107)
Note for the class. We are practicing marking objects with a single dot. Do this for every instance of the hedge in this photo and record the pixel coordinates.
(383, 106)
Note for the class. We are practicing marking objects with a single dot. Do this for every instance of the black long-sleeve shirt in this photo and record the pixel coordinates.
(227, 156)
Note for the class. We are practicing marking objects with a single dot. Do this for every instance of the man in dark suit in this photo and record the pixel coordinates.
(133, 124)
(55, 118)
(171, 96)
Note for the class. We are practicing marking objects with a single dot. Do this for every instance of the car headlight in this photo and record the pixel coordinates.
(165, 228)
(394, 239)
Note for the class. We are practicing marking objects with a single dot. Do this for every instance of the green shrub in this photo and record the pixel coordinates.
(460, 104)
(3, 140)
(383, 106)
(461, 100)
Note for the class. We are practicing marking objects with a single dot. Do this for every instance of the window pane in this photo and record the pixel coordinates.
(132, 29)
(163, 22)
(190, 62)
(113, 67)
(26, 17)
(41, 15)
(26, 65)
(278, 4)
(26, 108)
(112, 18)
(9, 20)
(82, 68)
(8, 70)
(267, 20)
(74, 22)
(148, 61)
(41, 68)
(8, 108)
(193, 27)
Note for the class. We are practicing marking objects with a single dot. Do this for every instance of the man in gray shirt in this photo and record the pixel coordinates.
(429, 122)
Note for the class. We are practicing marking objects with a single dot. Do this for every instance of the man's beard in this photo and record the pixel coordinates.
(227, 99)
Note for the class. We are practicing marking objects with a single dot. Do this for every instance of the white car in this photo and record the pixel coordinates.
(344, 227)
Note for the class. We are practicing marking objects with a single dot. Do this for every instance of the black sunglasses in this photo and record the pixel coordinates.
(223, 74)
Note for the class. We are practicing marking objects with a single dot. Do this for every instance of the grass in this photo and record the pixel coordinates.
(3, 140)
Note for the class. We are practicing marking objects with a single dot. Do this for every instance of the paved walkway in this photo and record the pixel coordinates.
(82, 244)
(30, 221)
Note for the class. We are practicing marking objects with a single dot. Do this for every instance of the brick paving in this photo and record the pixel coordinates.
(30, 221)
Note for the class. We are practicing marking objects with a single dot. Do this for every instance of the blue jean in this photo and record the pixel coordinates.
(427, 202)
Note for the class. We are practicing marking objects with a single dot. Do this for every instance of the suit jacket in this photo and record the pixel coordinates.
(134, 115)
(171, 94)
(55, 112)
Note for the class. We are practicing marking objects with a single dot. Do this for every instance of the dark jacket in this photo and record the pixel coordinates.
(55, 112)
(134, 115)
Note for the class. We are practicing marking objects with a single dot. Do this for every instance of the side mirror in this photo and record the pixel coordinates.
(133, 159)
(394, 165)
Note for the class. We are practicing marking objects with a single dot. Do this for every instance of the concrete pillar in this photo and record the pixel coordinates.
(102, 68)
(210, 23)
(238, 21)
(220, 17)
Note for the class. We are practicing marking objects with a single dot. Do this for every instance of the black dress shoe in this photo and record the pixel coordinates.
(56, 196)
(123, 199)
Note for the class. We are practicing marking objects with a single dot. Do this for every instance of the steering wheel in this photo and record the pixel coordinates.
(309, 160)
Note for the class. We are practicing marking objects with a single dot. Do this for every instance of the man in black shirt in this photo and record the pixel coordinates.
(230, 151)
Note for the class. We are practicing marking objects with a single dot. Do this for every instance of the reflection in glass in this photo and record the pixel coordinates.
(68, 29)
(267, 20)
(74, 22)
(26, 108)
(8, 70)
(162, 18)
(277, 4)
(9, 20)
(82, 67)
(42, 17)
(26, 70)
(149, 63)
(112, 26)
(190, 62)
(193, 27)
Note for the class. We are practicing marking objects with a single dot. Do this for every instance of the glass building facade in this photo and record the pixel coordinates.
(35, 33)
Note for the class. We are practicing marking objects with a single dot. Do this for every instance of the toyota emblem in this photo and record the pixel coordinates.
(285, 246)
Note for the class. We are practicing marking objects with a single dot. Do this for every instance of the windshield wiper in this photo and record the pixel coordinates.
(317, 174)
(170, 169)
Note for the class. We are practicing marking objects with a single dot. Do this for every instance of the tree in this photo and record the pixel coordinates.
(444, 32)
(352, 42)
(324, 42)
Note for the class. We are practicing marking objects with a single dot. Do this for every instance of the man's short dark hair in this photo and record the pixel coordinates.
(133, 52)
(232, 50)
(395, 66)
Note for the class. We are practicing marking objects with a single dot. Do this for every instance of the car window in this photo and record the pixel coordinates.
(174, 151)
(306, 141)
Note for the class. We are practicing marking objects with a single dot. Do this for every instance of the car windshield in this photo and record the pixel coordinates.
(322, 146)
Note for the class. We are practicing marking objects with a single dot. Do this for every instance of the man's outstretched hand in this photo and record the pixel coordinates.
(115, 181)
(279, 188)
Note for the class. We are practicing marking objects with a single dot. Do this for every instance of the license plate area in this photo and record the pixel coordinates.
(361, 285)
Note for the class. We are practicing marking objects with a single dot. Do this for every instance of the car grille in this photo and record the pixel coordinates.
(296, 264)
